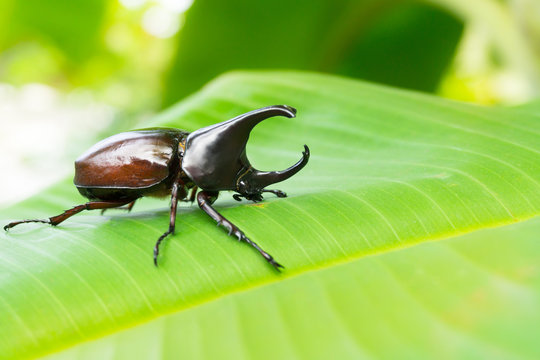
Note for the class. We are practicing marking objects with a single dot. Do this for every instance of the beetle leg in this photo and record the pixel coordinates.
(55, 220)
(205, 199)
(128, 207)
(172, 220)
(258, 197)
(193, 193)
(278, 193)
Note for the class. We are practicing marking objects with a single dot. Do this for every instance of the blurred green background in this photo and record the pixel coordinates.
(72, 72)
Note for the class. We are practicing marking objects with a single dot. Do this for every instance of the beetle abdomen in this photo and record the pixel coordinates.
(131, 160)
(105, 194)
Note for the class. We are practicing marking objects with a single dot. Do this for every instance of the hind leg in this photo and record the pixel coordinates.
(55, 220)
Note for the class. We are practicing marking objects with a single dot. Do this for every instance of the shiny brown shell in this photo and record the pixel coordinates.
(131, 160)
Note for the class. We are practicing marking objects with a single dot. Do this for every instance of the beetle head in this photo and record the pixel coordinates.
(215, 156)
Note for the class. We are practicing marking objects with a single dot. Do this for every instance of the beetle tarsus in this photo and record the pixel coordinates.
(258, 197)
(266, 255)
(55, 220)
(278, 193)
(15, 223)
(158, 242)
(276, 265)
(176, 188)
(156, 253)
(156, 247)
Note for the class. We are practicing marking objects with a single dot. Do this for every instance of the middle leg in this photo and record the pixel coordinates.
(258, 197)
(278, 193)
(172, 220)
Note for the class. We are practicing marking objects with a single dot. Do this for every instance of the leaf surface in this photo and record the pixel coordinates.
(472, 296)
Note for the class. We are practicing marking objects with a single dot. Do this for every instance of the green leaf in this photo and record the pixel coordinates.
(532, 107)
(474, 296)
(389, 169)
(401, 43)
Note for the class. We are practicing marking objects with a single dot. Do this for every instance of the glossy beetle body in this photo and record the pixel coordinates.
(169, 162)
(130, 165)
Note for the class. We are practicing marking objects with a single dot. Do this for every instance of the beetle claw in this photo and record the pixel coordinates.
(276, 265)
(278, 193)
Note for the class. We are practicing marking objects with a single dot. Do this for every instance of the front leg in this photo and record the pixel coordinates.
(177, 189)
(278, 193)
(258, 197)
(205, 200)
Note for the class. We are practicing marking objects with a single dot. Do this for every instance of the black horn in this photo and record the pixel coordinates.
(215, 156)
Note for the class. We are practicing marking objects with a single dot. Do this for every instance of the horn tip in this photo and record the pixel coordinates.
(306, 151)
(289, 109)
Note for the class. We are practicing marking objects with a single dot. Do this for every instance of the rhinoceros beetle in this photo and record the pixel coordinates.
(166, 161)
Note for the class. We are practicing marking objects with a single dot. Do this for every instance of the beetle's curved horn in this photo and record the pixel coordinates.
(238, 128)
(265, 178)
(243, 124)
(213, 153)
